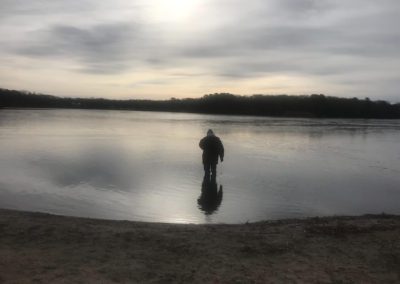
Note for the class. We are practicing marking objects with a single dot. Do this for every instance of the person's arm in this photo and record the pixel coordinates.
(221, 151)
(201, 144)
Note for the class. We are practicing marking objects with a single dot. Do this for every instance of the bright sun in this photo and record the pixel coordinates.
(174, 10)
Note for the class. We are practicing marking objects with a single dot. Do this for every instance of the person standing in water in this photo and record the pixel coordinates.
(212, 149)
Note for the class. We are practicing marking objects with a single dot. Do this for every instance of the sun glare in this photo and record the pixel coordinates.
(174, 10)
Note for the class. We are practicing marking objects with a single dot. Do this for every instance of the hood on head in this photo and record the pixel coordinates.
(210, 132)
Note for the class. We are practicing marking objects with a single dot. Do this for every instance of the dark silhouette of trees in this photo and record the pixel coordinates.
(316, 105)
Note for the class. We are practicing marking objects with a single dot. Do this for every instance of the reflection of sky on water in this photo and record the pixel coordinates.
(147, 165)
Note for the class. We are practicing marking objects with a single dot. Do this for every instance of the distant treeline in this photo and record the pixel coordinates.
(223, 103)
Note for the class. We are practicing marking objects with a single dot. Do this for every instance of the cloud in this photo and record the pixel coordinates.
(309, 38)
(102, 48)
(325, 41)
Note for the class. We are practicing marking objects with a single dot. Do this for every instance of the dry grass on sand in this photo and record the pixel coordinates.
(42, 248)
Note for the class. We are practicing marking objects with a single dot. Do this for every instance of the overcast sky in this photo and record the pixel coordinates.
(187, 48)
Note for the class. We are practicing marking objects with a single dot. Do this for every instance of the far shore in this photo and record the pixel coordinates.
(44, 248)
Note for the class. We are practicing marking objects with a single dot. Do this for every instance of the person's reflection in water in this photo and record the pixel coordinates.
(210, 198)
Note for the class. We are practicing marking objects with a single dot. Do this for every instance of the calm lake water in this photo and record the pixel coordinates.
(147, 166)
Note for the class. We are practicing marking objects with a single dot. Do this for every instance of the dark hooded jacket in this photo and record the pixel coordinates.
(212, 148)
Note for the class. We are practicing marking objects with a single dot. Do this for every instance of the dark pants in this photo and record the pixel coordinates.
(210, 166)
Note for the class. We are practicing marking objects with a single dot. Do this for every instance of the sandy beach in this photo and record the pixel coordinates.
(44, 248)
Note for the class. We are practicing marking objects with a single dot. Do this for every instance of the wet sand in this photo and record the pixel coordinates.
(43, 248)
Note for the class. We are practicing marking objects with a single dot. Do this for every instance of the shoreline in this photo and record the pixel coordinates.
(45, 248)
